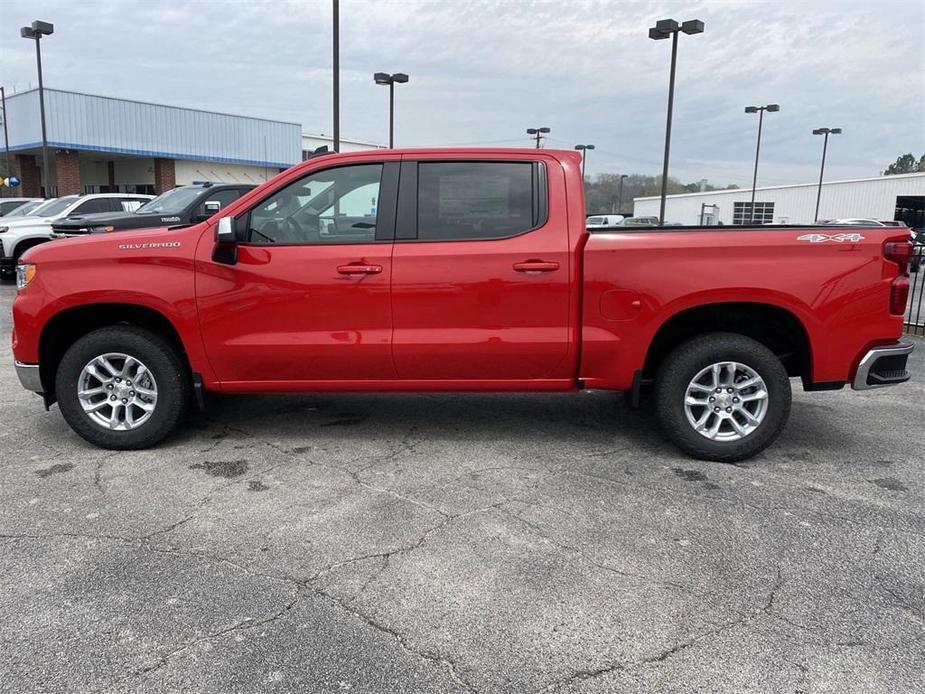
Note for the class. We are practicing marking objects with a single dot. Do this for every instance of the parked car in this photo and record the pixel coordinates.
(599, 221)
(456, 270)
(7, 205)
(20, 234)
(641, 222)
(26, 208)
(183, 205)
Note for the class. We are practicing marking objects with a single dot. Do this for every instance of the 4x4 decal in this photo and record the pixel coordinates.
(839, 238)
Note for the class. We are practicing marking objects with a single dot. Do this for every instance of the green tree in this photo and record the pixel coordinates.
(905, 164)
(602, 193)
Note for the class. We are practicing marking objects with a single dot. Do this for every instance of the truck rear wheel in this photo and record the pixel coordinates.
(122, 387)
(722, 397)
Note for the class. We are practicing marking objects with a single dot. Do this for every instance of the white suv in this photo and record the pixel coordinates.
(21, 233)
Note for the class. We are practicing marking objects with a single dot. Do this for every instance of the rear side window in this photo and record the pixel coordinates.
(475, 200)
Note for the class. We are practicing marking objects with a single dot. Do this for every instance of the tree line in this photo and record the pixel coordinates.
(602, 193)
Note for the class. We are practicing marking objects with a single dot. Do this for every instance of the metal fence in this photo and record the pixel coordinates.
(915, 308)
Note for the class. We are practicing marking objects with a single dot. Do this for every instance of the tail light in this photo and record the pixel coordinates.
(899, 252)
(899, 294)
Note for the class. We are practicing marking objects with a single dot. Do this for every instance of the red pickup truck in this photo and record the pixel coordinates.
(456, 270)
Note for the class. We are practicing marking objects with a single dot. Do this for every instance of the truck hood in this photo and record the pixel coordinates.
(118, 220)
(100, 249)
(17, 223)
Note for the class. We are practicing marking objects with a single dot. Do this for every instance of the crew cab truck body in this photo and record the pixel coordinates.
(178, 206)
(456, 270)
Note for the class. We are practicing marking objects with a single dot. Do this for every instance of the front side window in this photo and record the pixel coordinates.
(331, 206)
(475, 200)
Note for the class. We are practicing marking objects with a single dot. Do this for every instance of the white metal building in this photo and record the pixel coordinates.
(884, 197)
(100, 144)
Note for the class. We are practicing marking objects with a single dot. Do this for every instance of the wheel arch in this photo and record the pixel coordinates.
(64, 328)
(778, 328)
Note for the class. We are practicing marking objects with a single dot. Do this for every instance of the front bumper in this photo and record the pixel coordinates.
(7, 263)
(29, 377)
(884, 366)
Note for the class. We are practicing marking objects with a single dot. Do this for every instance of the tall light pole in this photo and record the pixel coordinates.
(770, 108)
(663, 29)
(6, 138)
(385, 78)
(336, 68)
(538, 133)
(36, 32)
(619, 209)
(584, 157)
(825, 145)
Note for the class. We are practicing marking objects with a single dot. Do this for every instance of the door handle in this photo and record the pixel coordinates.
(536, 266)
(359, 269)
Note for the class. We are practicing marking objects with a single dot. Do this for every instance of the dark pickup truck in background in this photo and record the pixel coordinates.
(188, 204)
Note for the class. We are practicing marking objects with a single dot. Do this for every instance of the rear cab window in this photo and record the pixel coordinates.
(471, 200)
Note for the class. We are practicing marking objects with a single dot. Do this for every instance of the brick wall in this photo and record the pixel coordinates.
(165, 175)
(67, 172)
(30, 176)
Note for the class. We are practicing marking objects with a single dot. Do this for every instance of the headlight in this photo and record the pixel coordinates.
(25, 272)
(3, 230)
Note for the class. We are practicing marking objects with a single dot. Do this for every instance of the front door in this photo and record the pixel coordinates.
(307, 299)
(480, 273)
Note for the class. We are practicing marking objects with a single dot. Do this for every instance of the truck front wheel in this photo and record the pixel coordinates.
(722, 397)
(122, 387)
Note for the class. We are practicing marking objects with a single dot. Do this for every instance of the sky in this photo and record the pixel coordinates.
(484, 71)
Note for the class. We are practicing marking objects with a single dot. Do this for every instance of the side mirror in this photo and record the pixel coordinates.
(212, 206)
(226, 242)
(224, 231)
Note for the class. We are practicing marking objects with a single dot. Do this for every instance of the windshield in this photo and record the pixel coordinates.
(53, 207)
(172, 202)
(25, 209)
(595, 220)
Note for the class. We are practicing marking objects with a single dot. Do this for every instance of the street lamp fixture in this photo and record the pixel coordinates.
(770, 108)
(664, 29)
(538, 133)
(825, 145)
(383, 79)
(36, 32)
(584, 157)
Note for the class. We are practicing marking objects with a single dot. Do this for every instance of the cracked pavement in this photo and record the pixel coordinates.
(462, 543)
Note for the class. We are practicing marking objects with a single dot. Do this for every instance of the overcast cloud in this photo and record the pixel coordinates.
(482, 72)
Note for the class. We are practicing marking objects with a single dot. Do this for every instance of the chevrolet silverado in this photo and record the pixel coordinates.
(457, 270)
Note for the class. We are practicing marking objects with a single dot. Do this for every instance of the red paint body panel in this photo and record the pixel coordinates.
(459, 315)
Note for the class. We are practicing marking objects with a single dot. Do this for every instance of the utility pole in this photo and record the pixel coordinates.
(336, 8)
(36, 32)
(538, 133)
(6, 136)
(770, 108)
(825, 145)
(663, 29)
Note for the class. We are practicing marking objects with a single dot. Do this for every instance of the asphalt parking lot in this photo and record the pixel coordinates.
(477, 543)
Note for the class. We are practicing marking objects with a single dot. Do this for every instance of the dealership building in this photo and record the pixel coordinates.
(900, 197)
(99, 144)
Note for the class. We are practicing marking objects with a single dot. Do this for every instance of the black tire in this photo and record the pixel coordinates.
(162, 360)
(686, 361)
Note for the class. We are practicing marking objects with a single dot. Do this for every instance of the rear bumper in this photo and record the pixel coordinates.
(7, 263)
(29, 376)
(884, 366)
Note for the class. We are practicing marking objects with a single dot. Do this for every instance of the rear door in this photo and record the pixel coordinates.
(480, 272)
